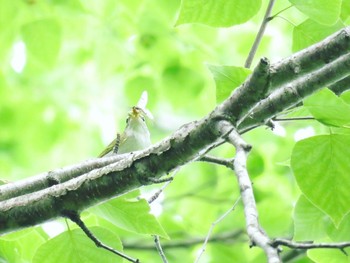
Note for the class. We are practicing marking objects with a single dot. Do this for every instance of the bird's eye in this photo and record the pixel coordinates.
(143, 118)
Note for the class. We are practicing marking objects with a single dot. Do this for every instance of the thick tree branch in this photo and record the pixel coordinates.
(75, 191)
(45, 180)
(289, 95)
(310, 59)
(340, 86)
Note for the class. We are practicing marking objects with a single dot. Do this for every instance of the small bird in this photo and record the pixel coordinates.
(136, 135)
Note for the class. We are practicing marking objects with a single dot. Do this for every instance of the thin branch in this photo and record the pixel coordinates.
(308, 245)
(256, 234)
(75, 217)
(151, 200)
(216, 160)
(294, 119)
(260, 35)
(157, 194)
(228, 237)
(201, 252)
(159, 249)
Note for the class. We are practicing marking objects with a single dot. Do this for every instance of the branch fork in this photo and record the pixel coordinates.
(270, 90)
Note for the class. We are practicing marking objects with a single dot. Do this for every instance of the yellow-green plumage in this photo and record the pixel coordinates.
(136, 135)
(112, 147)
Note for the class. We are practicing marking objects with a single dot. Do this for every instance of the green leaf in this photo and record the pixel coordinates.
(180, 82)
(8, 15)
(20, 246)
(227, 78)
(277, 222)
(340, 233)
(310, 32)
(131, 215)
(324, 12)
(74, 247)
(321, 167)
(328, 255)
(308, 221)
(217, 13)
(328, 108)
(256, 164)
(43, 40)
(345, 10)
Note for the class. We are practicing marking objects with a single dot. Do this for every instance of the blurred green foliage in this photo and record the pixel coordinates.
(69, 70)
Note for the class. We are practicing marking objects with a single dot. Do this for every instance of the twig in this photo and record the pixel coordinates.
(257, 236)
(188, 242)
(217, 160)
(212, 227)
(151, 200)
(308, 245)
(75, 217)
(159, 249)
(157, 194)
(260, 34)
(294, 119)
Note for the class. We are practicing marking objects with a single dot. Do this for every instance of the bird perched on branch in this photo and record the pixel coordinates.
(136, 135)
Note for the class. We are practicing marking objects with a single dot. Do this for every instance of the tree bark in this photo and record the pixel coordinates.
(268, 91)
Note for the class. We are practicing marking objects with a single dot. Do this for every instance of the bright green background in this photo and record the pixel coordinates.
(88, 61)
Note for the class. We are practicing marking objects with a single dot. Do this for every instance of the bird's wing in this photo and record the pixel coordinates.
(113, 146)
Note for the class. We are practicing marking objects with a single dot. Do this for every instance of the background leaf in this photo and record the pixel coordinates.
(309, 221)
(227, 78)
(74, 246)
(21, 246)
(322, 11)
(310, 32)
(328, 256)
(320, 165)
(132, 215)
(328, 108)
(217, 13)
(43, 39)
